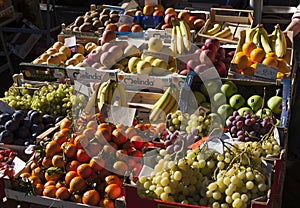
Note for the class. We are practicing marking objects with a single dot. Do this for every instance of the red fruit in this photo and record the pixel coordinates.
(191, 64)
(168, 19)
(213, 40)
(221, 54)
(201, 68)
(221, 68)
(207, 56)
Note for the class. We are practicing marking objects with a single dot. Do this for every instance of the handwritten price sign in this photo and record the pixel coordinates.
(264, 71)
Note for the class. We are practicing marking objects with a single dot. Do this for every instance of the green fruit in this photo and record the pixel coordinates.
(206, 105)
(229, 89)
(242, 110)
(237, 101)
(275, 104)
(264, 112)
(255, 102)
(209, 88)
(219, 99)
(225, 110)
(199, 97)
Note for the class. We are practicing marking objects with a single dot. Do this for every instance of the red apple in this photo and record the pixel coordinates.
(183, 15)
(207, 56)
(191, 64)
(198, 50)
(163, 27)
(221, 53)
(211, 46)
(230, 53)
(201, 68)
(214, 41)
(192, 19)
(168, 19)
(183, 72)
(198, 24)
(221, 68)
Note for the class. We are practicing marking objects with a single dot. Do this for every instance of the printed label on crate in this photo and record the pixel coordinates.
(151, 2)
(141, 81)
(264, 71)
(162, 56)
(125, 19)
(177, 80)
(71, 43)
(59, 73)
(162, 34)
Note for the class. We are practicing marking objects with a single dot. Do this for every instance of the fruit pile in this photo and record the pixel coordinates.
(217, 31)
(21, 128)
(53, 99)
(259, 48)
(6, 163)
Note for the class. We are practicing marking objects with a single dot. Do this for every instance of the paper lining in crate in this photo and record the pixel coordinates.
(264, 72)
(231, 18)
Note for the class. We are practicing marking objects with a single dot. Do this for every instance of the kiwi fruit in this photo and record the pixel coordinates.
(88, 19)
(114, 12)
(85, 27)
(105, 11)
(76, 29)
(114, 17)
(79, 21)
(95, 14)
(103, 18)
(97, 24)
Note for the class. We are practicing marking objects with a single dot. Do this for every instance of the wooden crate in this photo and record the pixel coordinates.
(231, 18)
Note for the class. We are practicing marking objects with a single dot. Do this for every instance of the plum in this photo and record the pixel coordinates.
(6, 137)
(27, 123)
(37, 128)
(4, 118)
(11, 125)
(18, 115)
(22, 132)
(48, 119)
(36, 117)
(58, 119)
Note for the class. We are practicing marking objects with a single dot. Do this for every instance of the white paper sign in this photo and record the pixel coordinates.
(71, 43)
(151, 2)
(125, 19)
(120, 114)
(264, 71)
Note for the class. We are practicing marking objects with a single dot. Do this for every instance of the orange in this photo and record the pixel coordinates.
(111, 26)
(120, 168)
(48, 183)
(89, 132)
(38, 171)
(253, 65)
(58, 161)
(72, 166)
(107, 126)
(84, 170)
(159, 7)
(82, 156)
(81, 141)
(118, 136)
(65, 123)
(78, 184)
(97, 163)
(283, 66)
(33, 165)
(241, 60)
(103, 135)
(248, 71)
(91, 197)
(107, 203)
(113, 179)
(124, 28)
(148, 10)
(60, 184)
(257, 55)
(112, 191)
(69, 150)
(34, 180)
(76, 198)
(69, 176)
(247, 47)
(62, 193)
(94, 148)
(49, 191)
(103, 173)
(272, 54)
(47, 162)
(52, 148)
(279, 75)
(38, 189)
(270, 61)
(130, 132)
(60, 136)
(92, 124)
(52, 176)
(25, 175)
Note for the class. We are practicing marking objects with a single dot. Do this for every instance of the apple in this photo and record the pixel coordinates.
(143, 67)
(159, 63)
(229, 88)
(230, 54)
(116, 51)
(201, 68)
(132, 64)
(255, 102)
(183, 15)
(155, 44)
(94, 56)
(221, 68)
(192, 63)
(237, 101)
(198, 24)
(199, 97)
(164, 26)
(184, 72)
(150, 59)
(225, 111)
(168, 19)
(198, 51)
(107, 59)
(275, 104)
(242, 110)
(264, 112)
(212, 40)
(131, 50)
(207, 56)
(192, 19)
(221, 53)
(211, 46)
(107, 36)
(218, 99)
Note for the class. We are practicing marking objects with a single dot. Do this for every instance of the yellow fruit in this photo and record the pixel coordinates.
(257, 55)
(272, 54)
(241, 60)
(283, 66)
(247, 47)
(270, 61)
(248, 71)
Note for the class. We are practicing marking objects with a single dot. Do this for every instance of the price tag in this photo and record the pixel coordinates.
(151, 2)
(125, 19)
(71, 43)
(264, 71)
(162, 56)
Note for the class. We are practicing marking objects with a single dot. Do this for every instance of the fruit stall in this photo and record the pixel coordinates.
(151, 107)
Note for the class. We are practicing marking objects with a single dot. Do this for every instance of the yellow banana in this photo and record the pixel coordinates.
(174, 40)
(109, 92)
(273, 38)
(216, 28)
(180, 45)
(264, 39)
(280, 43)
(160, 105)
(250, 34)
(186, 34)
(223, 33)
(123, 94)
(256, 38)
(102, 95)
(162, 98)
(173, 104)
(116, 98)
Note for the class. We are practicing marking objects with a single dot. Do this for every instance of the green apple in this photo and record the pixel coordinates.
(229, 88)
(275, 104)
(237, 101)
(255, 102)
(219, 99)
(199, 97)
(209, 88)
(132, 64)
(143, 67)
(225, 111)
(159, 67)
(264, 112)
(155, 44)
(242, 110)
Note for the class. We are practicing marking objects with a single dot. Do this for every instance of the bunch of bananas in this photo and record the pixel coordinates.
(219, 32)
(278, 42)
(112, 93)
(181, 37)
(167, 103)
(260, 37)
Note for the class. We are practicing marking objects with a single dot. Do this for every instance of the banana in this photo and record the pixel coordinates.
(250, 34)
(216, 28)
(123, 94)
(186, 34)
(162, 98)
(280, 43)
(102, 94)
(173, 104)
(180, 45)
(223, 33)
(273, 39)
(256, 38)
(109, 92)
(158, 107)
(174, 40)
(264, 39)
